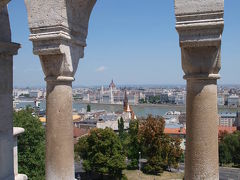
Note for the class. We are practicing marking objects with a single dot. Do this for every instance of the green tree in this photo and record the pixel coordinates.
(151, 134)
(88, 108)
(133, 144)
(172, 152)
(102, 153)
(160, 150)
(31, 145)
(225, 156)
(229, 148)
(121, 128)
(236, 148)
(142, 101)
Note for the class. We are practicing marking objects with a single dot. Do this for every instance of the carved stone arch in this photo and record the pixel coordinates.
(58, 32)
(7, 50)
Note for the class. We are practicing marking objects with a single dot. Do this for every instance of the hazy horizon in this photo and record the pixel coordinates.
(130, 85)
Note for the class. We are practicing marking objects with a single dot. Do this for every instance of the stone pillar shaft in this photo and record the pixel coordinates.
(201, 160)
(6, 116)
(59, 134)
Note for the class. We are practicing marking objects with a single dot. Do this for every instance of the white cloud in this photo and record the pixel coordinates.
(101, 69)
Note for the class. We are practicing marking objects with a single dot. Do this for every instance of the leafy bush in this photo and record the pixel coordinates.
(31, 145)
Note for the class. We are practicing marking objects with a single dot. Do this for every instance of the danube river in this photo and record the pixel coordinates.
(141, 110)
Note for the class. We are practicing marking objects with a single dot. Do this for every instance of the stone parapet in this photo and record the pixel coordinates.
(21, 177)
(16, 132)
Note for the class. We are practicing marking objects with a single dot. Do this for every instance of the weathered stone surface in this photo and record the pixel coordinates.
(5, 32)
(199, 22)
(200, 26)
(198, 6)
(58, 32)
(59, 29)
(6, 110)
(3, 3)
(201, 160)
(59, 152)
(70, 17)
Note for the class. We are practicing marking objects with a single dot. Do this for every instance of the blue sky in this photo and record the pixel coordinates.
(130, 41)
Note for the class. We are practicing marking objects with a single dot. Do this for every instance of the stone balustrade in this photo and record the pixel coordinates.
(16, 132)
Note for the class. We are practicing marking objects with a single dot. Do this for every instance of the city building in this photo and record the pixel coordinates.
(237, 121)
(233, 101)
(127, 108)
(35, 94)
(227, 119)
(172, 116)
(19, 92)
(221, 100)
(112, 85)
(182, 118)
(177, 132)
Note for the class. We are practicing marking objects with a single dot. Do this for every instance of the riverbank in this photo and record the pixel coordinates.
(138, 105)
(171, 106)
(141, 110)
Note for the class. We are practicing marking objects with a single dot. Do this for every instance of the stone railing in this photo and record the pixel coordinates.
(16, 132)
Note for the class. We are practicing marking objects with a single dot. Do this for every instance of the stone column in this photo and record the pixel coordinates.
(58, 32)
(7, 50)
(59, 151)
(200, 25)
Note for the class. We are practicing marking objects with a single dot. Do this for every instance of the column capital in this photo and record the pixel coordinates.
(9, 48)
(58, 31)
(200, 26)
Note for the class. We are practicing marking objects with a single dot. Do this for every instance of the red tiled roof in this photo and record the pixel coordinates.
(183, 130)
(174, 131)
(226, 129)
(79, 132)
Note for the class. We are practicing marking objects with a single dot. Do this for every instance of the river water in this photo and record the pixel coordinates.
(140, 110)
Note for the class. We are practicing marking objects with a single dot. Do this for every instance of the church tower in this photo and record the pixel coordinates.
(125, 102)
(101, 94)
(112, 85)
(111, 96)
